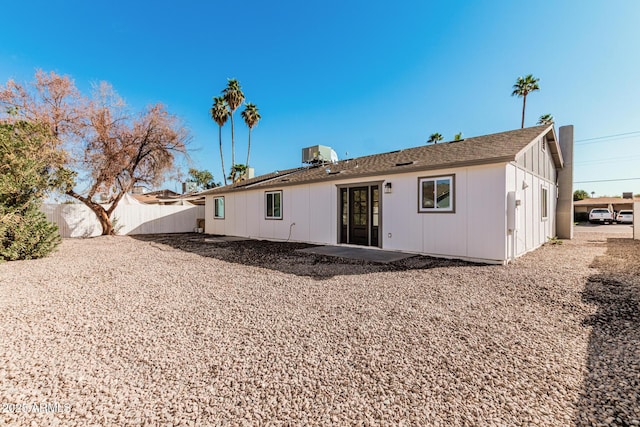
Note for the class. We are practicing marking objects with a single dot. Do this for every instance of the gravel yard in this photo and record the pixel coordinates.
(171, 330)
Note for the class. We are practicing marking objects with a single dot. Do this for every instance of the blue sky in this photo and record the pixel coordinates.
(360, 76)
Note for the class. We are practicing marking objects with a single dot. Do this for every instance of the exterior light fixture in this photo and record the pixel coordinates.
(387, 188)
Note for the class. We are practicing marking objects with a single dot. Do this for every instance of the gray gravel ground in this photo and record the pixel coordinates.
(170, 330)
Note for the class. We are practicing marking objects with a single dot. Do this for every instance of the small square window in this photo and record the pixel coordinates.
(273, 202)
(436, 194)
(218, 207)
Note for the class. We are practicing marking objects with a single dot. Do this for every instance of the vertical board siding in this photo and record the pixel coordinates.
(486, 207)
(532, 230)
(402, 227)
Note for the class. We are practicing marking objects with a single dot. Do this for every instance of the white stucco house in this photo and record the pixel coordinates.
(489, 199)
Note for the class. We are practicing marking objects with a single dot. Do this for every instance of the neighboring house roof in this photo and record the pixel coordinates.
(163, 193)
(488, 149)
(157, 197)
(605, 201)
(148, 199)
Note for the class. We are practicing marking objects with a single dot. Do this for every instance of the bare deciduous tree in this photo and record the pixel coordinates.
(108, 147)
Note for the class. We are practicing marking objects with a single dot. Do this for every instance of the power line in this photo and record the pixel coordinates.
(608, 136)
(606, 180)
(611, 139)
(610, 159)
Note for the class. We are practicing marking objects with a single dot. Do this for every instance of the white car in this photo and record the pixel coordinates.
(625, 216)
(601, 216)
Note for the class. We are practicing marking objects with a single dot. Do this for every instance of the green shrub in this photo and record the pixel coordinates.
(26, 176)
(554, 240)
(26, 234)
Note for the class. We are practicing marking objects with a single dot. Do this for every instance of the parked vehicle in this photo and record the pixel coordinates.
(625, 217)
(601, 216)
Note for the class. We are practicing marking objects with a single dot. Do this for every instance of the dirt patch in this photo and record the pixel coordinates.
(612, 383)
(286, 257)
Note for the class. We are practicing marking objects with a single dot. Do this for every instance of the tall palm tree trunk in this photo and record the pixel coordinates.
(523, 87)
(224, 173)
(233, 144)
(248, 150)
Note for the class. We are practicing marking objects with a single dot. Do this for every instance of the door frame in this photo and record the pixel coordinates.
(367, 184)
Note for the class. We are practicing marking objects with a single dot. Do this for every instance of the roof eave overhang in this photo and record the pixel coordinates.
(394, 171)
(555, 148)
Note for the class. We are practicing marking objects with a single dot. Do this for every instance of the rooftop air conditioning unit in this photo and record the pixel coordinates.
(319, 154)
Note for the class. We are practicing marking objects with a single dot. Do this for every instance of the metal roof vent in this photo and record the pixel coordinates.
(405, 163)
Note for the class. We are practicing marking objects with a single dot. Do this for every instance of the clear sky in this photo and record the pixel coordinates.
(360, 76)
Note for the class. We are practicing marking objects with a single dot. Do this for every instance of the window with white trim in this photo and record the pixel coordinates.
(544, 202)
(436, 194)
(273, 204)
(218, 207)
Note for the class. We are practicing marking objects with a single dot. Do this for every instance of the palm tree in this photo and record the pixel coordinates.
(220, 113)
(523, 87)
(545, 119)
(234, 97)
(435, 138)
(457, 136)
(251, 117)
(237, 172)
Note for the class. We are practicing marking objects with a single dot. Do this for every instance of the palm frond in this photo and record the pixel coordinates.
(525, 85)
(220, 110)
(233, 94)
(545, 119)
(435, 138)
(251, 115)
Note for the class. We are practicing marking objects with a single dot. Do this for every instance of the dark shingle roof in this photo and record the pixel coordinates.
(494, 148)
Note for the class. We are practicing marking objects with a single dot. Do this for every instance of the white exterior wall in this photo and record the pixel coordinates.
(311, 207)
(532, 230)
(476, 231)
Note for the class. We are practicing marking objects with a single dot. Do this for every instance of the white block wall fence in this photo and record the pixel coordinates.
(76, 220)
(636, 227)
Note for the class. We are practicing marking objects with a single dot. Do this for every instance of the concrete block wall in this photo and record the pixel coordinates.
(636, 226)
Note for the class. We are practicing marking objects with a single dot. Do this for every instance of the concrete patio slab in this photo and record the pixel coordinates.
(365, 254)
